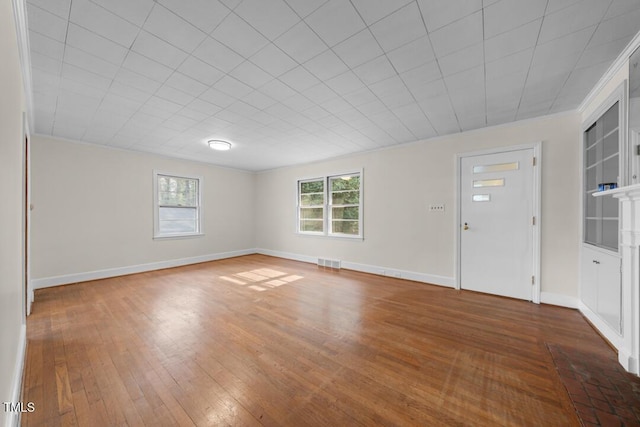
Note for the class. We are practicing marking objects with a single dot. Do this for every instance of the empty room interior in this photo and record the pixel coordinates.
(320, 212)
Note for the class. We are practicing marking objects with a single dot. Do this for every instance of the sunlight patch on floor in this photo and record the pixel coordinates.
(262, 279)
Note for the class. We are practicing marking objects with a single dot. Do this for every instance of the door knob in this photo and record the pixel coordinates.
(466, 226)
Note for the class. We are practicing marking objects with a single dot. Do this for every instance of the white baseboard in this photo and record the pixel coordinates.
(611, 335)
(401, 274)
(287, 255)
(66, 279)
(364, 268)
(12, 419)
(559, 300)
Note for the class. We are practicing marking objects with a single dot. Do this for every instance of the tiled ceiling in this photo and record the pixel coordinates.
(294, 81)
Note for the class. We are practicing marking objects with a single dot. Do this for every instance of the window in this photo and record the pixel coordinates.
(331, 205)
(177, 210)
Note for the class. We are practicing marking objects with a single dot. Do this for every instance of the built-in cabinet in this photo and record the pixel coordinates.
(601, 280)
(604, 154)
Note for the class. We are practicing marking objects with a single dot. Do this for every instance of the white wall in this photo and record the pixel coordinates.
(93, 211)
(11, 215)
(401, 182)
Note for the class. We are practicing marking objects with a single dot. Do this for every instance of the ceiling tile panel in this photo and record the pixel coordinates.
(46, 46)
(186, 84)
(574, 18)
(305, 7)
(251, 74)
(399, 28)
(623, 26)
(259, 100)
(57, 7)
(270, 17)
(91, 42)
(134, 11)
(512, 41)
(218, 55)
(505, 15)
(375, 70)
(174, 95)
(458, 35)
(200, 71)
(157, 49)
(233, 87)
(147, 67)
(46, 23)
(239, 36)
(411, 55)
(170, 27)
(89, 62)
(100, 21)
(462, 60)
(300, 43)
(373, 11)
(439, 13)
(335, 21)
(138, 81)
(203, 14)
(299, 79)
(345, 83)
(326, 65)
(358, 49)
(273, 60)
(79, 75)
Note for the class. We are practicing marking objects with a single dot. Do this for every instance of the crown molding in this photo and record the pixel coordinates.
(620, 61)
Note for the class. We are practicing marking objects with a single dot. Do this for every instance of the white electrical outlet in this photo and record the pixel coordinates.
(436, 208)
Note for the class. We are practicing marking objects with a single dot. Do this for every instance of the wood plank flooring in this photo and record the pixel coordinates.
(257, 340)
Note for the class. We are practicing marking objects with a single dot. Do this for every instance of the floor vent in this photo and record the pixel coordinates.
(329, 263)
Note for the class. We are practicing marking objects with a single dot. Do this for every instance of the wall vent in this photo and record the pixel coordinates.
(329, 263)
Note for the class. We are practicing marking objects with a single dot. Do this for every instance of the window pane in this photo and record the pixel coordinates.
(312, 187)
(345, 198)
(312, 199)
(312, 225)
(345, 182)
(177, 220)
(345, 213)
(312, 213)
(176, 191)
(345, 227)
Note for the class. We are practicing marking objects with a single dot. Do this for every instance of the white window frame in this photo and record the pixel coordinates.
(328, 205)
(323, 206)
(156, 207)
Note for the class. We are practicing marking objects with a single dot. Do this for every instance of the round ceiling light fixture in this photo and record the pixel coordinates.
(219, 145)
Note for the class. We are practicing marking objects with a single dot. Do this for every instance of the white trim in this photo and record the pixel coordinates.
(326, 207)
(371, 269)
(537, 209)
(612, 336)
(66, 279)
(156, 207)
(22, 36)
(287, 255)
(559, 300)
(12, 419)
(620, 61)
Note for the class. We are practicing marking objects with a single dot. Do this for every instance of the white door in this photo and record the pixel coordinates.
(497, 220)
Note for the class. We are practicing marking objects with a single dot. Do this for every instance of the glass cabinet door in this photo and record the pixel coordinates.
(602, 172)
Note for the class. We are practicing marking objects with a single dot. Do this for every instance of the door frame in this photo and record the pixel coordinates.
(27, 291)
(537, 189)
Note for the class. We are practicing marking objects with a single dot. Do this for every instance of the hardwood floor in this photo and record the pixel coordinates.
(257, 340)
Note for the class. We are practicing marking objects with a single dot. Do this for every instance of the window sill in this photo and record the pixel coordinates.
(331, 236)
(177, 236)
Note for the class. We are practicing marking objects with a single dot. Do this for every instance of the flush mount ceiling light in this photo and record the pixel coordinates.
(219, 145)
